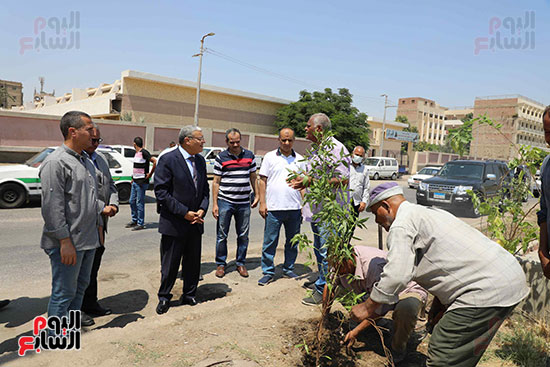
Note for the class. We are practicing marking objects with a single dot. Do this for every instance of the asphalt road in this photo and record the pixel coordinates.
(23, 263)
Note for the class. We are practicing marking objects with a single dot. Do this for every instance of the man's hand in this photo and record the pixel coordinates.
(67, 251)
(255, 202)
(544, 263)
(362, 206)
(297, 183)
(351, 337)
(263, 210)
(109, 211)
(201, 213)
(215, 211)
(193, 217)
(148, 176)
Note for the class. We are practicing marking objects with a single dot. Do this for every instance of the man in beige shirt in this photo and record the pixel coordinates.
(478, 281)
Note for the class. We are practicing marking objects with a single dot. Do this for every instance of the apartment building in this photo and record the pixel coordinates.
(427, 116)
(521, 120)
(11, 94)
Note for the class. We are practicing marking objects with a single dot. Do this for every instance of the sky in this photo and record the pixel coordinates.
(399, 48)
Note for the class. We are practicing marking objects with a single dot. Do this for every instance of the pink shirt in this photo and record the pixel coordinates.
(370, 263)
(338, 152)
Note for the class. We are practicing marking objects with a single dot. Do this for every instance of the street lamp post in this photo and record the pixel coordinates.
(196, 120)
(386, 106)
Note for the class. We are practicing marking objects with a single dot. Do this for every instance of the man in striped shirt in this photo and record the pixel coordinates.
(234, 180)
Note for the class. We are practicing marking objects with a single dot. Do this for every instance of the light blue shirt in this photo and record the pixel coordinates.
(186, 157)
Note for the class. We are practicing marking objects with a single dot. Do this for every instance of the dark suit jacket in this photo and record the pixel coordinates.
(176, 193)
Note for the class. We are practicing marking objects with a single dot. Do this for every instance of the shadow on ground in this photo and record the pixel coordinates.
(23, 310)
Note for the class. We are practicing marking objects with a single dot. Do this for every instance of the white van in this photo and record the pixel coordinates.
(382, 167)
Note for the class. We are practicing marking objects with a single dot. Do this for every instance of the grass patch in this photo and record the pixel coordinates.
(244, 352)
(140, 353)
(527, 343)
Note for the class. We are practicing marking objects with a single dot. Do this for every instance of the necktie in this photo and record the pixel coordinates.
(195, 173)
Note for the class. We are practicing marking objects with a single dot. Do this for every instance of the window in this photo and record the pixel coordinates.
(490, 170)
(462, 170)
(371, 161)
(403, 102)
(112, 162)
(412, 101)
(394, 163)
(129, 153)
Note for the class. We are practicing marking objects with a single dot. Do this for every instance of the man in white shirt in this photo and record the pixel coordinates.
(359, 183)
(279, 205)
(478, 281)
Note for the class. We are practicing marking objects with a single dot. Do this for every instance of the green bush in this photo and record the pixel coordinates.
(525, 346)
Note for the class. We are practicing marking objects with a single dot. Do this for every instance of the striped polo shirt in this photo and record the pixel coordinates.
(235, 175)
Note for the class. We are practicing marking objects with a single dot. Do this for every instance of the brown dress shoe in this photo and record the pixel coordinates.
(242, 270)
(220, 271)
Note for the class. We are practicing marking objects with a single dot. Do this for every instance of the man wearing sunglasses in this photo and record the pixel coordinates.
(106, 192)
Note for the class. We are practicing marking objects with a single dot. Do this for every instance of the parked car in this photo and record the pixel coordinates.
(423, 174)
(382, 167)
(538, 183)
(531, 181)
(20, 182)
(127, 151)
(449, 187)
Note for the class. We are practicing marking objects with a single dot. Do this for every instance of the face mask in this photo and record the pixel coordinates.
(357, 159)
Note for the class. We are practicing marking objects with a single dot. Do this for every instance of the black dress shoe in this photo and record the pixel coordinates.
(86, 320)
(188, 300)
(4, 303)
(163, 306)
(97, 310)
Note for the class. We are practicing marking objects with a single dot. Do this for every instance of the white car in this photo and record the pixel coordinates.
(20, 182)
(423, 174)
(210, 154)
(127, 151)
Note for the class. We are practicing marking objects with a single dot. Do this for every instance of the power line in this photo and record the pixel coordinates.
(272, 73)
(259, 69)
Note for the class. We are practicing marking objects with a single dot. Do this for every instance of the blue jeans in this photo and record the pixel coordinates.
(69, 282)
(137, 202)
(273, 222)
(242, 220)
(320, 251)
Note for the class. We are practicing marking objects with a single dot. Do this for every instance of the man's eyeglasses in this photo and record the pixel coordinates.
(97, 141)
(199, 139)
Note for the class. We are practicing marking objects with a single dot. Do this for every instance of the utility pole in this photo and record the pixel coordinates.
(386, 106)
(196, 120)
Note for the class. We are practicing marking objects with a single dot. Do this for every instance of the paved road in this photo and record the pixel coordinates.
(22, 262)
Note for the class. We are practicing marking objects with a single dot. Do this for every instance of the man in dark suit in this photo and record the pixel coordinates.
(181, 188)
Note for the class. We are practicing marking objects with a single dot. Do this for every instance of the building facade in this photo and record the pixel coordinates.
(521, 120)
(392, 148)
(162, 101)
(11, 94)
(427, 116)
